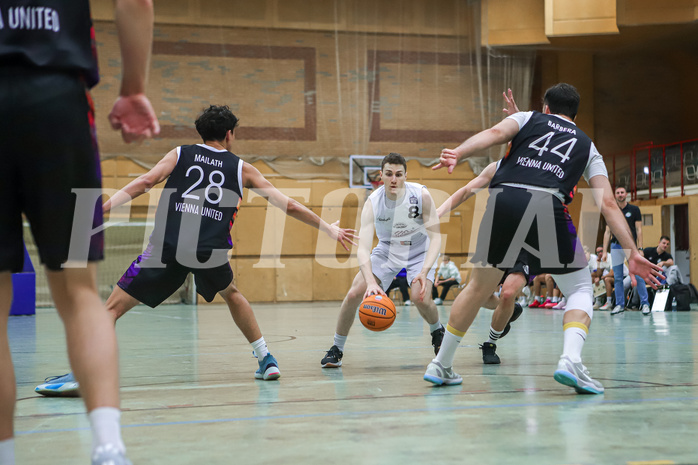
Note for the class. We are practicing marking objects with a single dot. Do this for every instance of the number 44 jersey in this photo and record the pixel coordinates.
(549, 152)
(200, 201)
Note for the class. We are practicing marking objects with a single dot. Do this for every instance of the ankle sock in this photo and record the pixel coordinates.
(339, 341)
(260, 348)
(106, 428)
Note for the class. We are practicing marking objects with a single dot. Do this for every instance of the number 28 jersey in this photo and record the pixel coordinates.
(549, 152)
(205, 190)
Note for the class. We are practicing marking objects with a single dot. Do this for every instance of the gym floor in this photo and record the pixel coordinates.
(189, 395)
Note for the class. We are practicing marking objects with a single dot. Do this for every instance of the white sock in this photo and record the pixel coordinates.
(555, 300)
(575, 334)
(540, 299)
(260, 348)
(448, 346)
(494, 335)
(339, 341)
(106, 428)
(7, 452)
(435, 326)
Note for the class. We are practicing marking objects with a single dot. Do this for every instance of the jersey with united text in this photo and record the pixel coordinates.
(399, 222)
(549, 152)
(200, 201)
(49, 34)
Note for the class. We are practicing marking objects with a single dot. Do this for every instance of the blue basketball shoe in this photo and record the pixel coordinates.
(59, 386)
(268, 369)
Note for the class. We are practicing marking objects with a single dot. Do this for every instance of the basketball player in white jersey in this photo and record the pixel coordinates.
(192, 232)
(403, 217)
(535, 180)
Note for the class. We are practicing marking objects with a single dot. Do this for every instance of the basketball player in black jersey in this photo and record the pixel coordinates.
(192, 227)
(48, 64)
(525, 213)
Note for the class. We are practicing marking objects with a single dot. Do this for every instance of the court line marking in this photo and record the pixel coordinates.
(364, 413)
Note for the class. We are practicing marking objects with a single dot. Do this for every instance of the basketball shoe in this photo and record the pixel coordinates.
(489, 353)
(333, 358)
(535, 304)
(108, 454)
(436, 338)
(645, 309)
(268, 369)
(59, 386)
(577, 376)
(438, 374)
(518, 310)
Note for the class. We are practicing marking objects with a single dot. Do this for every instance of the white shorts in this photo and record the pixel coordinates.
(385, 265)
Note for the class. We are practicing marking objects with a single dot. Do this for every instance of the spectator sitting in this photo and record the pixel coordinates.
(659, 256)
(447, 277)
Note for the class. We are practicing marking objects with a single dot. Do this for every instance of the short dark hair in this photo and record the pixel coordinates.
(562, 99)
(394, 159)
(665, 237)
(215, 121)
(621, 186)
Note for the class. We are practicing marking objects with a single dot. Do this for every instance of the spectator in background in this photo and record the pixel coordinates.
(659, 256)
(633, 216)
(447, 277)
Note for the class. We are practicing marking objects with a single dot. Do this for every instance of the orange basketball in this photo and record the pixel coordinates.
(377, 312)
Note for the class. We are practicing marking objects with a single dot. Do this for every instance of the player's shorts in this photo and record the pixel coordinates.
(385, 265)
(48, 148)
(519, 267)
(151, 284)
(511, 226)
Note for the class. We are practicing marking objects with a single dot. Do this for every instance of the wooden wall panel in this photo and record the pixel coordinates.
(642, 12)
(574, 18)
(293, 280)
(507, 22)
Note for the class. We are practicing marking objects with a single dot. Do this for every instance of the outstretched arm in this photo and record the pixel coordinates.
(637, 265)
(143, 183)
(253, 179)
(132, 112)
(467, 191)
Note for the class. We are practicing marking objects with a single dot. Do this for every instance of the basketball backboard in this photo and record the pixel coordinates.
(364, 170)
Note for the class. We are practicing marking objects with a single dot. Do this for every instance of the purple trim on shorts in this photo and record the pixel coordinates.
(135, 268)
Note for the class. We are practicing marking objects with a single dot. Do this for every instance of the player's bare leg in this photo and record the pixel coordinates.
(8, 389)
(427, 308)
(347, 314)
(242, 313)
(483, 282)
(120, 302)
(502, 317)
(90, 334)
(510, 290)
(354, 297)
(92, 350)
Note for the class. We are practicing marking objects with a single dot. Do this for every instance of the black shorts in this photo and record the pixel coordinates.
(510, 238)
(48, 148)
(152, 285)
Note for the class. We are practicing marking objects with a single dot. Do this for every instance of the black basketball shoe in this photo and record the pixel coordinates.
(489, 354)
(333, 358)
